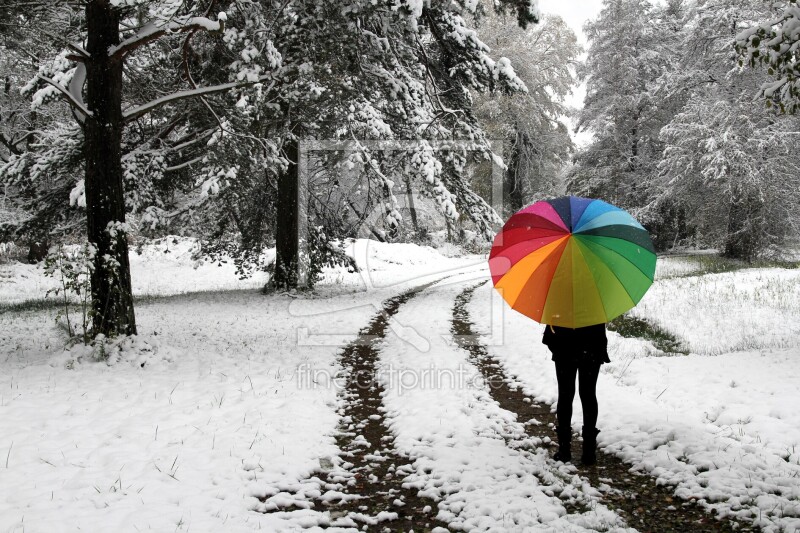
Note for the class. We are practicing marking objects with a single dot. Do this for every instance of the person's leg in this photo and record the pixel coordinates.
(587, 388)
(565, 374)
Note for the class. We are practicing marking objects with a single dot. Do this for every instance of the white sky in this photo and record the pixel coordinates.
(575, 13)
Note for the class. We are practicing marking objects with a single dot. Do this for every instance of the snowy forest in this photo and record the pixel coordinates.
(303, 265)
(132, 119)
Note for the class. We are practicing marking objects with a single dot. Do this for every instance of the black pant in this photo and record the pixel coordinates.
(587, 371)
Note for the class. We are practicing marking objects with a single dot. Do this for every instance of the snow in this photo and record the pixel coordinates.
(205, 412)
(152, 30)
(168, 445)
(213, 419)
(143, 109)
(717, 423)
(747, 310)
(165, 267)
(77, 195)
(455, 433)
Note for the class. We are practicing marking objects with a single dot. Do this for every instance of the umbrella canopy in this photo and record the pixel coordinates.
(572, 262)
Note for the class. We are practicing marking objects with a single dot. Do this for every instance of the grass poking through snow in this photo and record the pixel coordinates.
(634, 327)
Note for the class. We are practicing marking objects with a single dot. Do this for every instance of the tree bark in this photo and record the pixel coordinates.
(513, 197)
(112, 299)
(287, 255)
(744, 237)
(412, 208)
(393, 231)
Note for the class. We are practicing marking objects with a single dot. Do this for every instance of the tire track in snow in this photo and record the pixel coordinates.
(469, 455)
(636, 497)
(364, 489)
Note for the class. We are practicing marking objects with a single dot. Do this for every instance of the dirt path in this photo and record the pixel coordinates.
(369, 486)
(636, 497)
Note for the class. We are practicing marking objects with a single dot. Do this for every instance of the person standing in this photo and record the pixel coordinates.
(580, 352)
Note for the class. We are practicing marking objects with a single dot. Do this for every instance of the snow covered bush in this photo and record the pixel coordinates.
(72, 267)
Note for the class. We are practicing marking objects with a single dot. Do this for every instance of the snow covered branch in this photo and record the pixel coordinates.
(77, 104)
(76, 89)
(151, 32)
(138, 111)
(776, 44)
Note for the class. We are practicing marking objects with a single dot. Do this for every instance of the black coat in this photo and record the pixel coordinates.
(577, 344)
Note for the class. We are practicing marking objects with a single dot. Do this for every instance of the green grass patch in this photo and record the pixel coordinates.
(40, 304)
(715, 264)
(633, 327)
(47, 304)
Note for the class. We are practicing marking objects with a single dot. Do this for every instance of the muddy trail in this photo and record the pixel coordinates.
(634, 496)
(369, 484)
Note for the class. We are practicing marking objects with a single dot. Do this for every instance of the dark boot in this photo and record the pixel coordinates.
(589, 456)
(564, 453)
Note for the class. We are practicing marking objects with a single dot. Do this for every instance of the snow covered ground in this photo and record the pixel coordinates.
(217, 414)
(447, 422)
(213, 417)
(164, 267)
(721, 423)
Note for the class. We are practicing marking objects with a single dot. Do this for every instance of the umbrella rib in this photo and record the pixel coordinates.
(543, 241)
(559, 250)
(618, 278)
(619, 254)
(558, 244)
(580, 248)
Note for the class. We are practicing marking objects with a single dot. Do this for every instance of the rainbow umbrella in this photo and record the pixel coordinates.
(572, 262)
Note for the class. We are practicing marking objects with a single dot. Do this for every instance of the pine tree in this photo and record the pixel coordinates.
(199, 114)
(382, 71)
(92, 64)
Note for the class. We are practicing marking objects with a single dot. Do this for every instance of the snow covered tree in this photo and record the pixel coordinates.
(382, 70)
(774, 42)
(21, 48)
(735, 171)
(531, 123)
(99, 61)
(631, 48)
(730, 164)
(184, 118)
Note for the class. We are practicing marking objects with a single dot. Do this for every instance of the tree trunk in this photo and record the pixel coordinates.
(513, 198)
(412, 209)
(287, 255)
(112, 301)
(393, 230)
(744, 237)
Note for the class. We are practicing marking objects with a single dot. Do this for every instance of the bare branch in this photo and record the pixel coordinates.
(184, 164)
(80, 54)
(12, 147)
